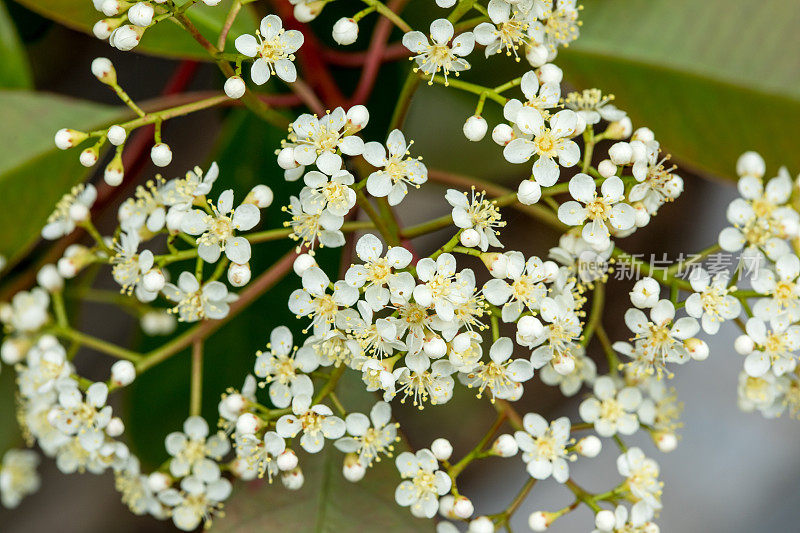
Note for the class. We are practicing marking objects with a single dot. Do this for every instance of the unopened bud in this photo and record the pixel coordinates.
(352, 469)
(261, 196)
(589, 446)
(115, 171)
(286, 461)
(357, 118)
(463, 507)
(470, 238)
(161, 155)
(540, 520)
(606, 168)
(115, 427)
(293, 480)
(620, 129)
(505, 445)
(66, 138)
(123, 373)
(235, 87)
(49, 279)
(116, 135)
(529, 192)
(503, 134)
(89, 156)
(345, 31)
(126, 37)
(247, 424)
(442, 449)
(141, 14)
(239, 275)
(666, 442)
(605, 520)
(475, 128)
(303, 263)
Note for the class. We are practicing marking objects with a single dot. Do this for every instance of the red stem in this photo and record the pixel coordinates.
(392, 52)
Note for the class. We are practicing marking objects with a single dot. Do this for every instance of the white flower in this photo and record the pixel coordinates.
(195, 302)
(130, 267)
(317, 423)
(28, 310)
(439, 55)
(377, 273)
(549, 143)
(197, 502)
(612, 411)
(310, 228)
(261, 454)
(638, 522)
(545, 447)
(526, 290)
(477, 213)
(764, 393)
(540, 97)
(642, 477)
(657, 183)
(422, 384)
(216, 229)
(135, 490)
(507, 31)
(607, 209)
(274, 48)
(18, 477)
(47, 368)
(313, 301)
(712, 302)
(71, 209)
(442, 287)
(774, 347)
(580, 257)
(395, 169)
(84, 418)
(332, 194)
(369, 442)
(557, 26)
(181, 193)
(423, 484)
(316, 140)
(194, 452)
(376, 337)
(569, 384)
(281, 366)
(592, 106)
(557, 341)
(501, 375)
(782, 285)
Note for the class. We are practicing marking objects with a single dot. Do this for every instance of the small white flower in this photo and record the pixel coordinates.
(370, 441)
(274, 49)
(261, 454)
(313, 301)
(765, 393)
(592, 106)
(774, 347)
(195, 302)
(621, 522)
(502, 375)
(545, 447)
(316, 423)
(442, 287)
(642, 477)
(440, 54)
(84, 418)
(423, 484)
(197, 502)
(557, 342)
(316, 140)
(540, 96)
(557, 24)
(477, 213)
(71, 209)
(782, 286)
(396, 168)
(423, 384)
(281, 366)
(377, 273)
(18, 476)
(526, 290)
(612, 411)
(328, 193)
(507, 31)
(712, 302)
(309, 228)
(130, 267)
(194, 452)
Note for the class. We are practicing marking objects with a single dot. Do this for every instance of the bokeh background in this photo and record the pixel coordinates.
(711, 78)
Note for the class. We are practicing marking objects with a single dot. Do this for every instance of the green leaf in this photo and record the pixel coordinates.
(34, 174)
(165, 38)
(711, 78)
(15, 72)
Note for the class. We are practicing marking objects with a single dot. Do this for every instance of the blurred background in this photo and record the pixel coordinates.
(711, 78)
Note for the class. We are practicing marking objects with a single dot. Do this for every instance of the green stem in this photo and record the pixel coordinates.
(381, 8)
(97, 344)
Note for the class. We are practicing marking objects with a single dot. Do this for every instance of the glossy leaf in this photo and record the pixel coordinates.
(15, 72)
(165, 38)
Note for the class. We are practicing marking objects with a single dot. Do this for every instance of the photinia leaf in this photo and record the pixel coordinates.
(15, 72)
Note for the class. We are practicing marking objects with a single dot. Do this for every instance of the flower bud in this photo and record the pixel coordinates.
(261, 196)
(645, 293)
(211, 3)
(345, 31)
(304, 12)
(111, 8)
(78, 212)
(116, 135)
(620, 153)
(530, 326)
(644, 135)
(463, 507)
(66, 138)
(620, 129)
(589, 446)
(114, 172)
(234, 403)
(743, 345)
(537, 55)
(503, 134)
(286, 158)
(103, 69)
(751, 164)
(76, 257)
(665, 442)
(540, 520)
(697, 348)
(102, 29)
(235, 87)
(442, 449)
(352, 469)
(239, 275)
(247, 424)
(115, 427)
(161, 155)
(605, 520)
(123, 373)
(154, 280)
(293, 480)
(89, 156)
(126, 37)
(286, 461)
(475, 128)
(529, 192)
(470, 238)
(303, 263)
(158, 481)
(550, 73)
(14, 349)
(505, 445)
(435, 347)
(445, 3)
(606, 168)
(141, 14)
(49, 278)
(357, 118)
(482, 524)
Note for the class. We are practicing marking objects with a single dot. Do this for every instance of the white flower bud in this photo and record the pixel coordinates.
(286, 461)
(261, 196)
(158, 323)
(89, 157)
(537, 56)
(564, 364)
(111, 8)
(234, 403)
(78, 212)
(158, 481)
(345, 31)
(605, 520)
(126, 37)
(539, 521)
(503, 134)
(751, 164)
(247, 424)
(445, 3)
(482, 524)
(645, 293)
(154, 280)
(211, 3)
(67, 267)
(114, 172)
(606, 168)
(123, 373)
(639, 151)
(620, 129)
(529, 192)
(697, 348)
(435, 347)
(141, 14)
(352, 469)
(442, 449)
(463, 507)
(115, 427)
(475, 128)
(505, 445)
(49, 278)
(13, 350)
(529, 326)
(239, 275)
(293, 480)
(102, 28)
(589, 446)
(666, 442)
(470, 238)
(743, 345)
(550, 73)
(446, 503)
(303, 263)
(644, 135)
(286, 158)
(116, 135)
(357, 117)
(103, 70)
(66, 138)
(161, 155)
(307, 12)
(620, 153)
(235, 87)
